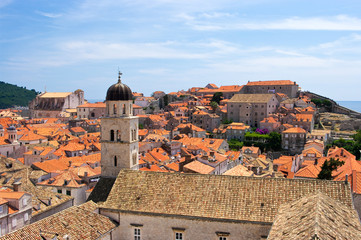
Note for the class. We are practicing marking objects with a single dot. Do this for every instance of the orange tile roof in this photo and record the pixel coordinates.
(294, 130)
(153, 168)
(304, 117)
(272, 82)
(239, 170)
(11, 195)
(311, 171)
(253, 149)
(73, 146)
(31, 136)
(199, 167)
(211, 143)
(191, 126)
(311, 151)
(52, 165)
(67, 178)
(269, 120)
(3, 201)
(173, 166)
(77, 129)
(93, 105)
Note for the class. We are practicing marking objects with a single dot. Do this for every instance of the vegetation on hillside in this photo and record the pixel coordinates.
(353, 146)
(322, 103)
(12, 95)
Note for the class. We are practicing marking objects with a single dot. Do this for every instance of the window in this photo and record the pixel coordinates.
(68, 192)
(1, 209)
(24, 202)
(112, 135)
(178, 236)
(118, 136)
(115, 161)
(123, 108)
(115, 109)
(26, 217)
(222, 238)
(13, 222)
(136, 233)
(60, 191)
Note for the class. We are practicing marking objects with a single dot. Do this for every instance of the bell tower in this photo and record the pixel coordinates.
(119, 131)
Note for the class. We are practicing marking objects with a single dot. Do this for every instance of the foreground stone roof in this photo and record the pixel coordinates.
(316, 217)
(229, 198)
(78, 222)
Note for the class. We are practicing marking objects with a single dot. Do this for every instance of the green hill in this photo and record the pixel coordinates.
(12, 95)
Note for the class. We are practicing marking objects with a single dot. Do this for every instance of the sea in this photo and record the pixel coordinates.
(353, 105)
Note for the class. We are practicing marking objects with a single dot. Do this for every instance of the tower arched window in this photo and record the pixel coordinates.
(115, 108)
(123, 108)
(115, 161)
(130, 109)
(118, 136)
(112, 135)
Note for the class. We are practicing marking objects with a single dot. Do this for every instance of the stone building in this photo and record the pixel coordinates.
(8, 141)
(119, 131)
(15, 210)
(278, 86)
(91, 110)
(154, 205)
(294, 139)
(207, 121)
(53, 104)
(251, 109)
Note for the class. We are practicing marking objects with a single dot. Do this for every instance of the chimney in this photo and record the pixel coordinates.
(69, 164)
(316, 161)
(346, 179)
(85, 174)
(17, 186)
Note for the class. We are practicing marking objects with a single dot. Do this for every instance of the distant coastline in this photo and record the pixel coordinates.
(353, 105)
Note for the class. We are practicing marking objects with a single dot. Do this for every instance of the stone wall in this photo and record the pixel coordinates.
(165, 227)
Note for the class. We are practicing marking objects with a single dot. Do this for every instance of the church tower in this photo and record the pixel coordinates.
(119, 131)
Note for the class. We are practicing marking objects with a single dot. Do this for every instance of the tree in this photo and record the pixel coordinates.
(328, 167)
(275, 142)
(235, 144)
(217, 97)
(165, 100)
(214, 106)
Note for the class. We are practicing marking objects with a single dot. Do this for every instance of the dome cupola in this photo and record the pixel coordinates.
(119, 92)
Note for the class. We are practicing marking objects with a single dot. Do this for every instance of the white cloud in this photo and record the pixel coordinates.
(49, 15)
(335, 23)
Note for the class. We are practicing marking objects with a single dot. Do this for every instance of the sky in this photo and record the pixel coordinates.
(170, 45)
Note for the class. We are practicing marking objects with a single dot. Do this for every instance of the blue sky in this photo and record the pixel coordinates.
(171, 45)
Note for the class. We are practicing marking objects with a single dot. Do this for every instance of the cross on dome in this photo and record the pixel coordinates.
(119, 76)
